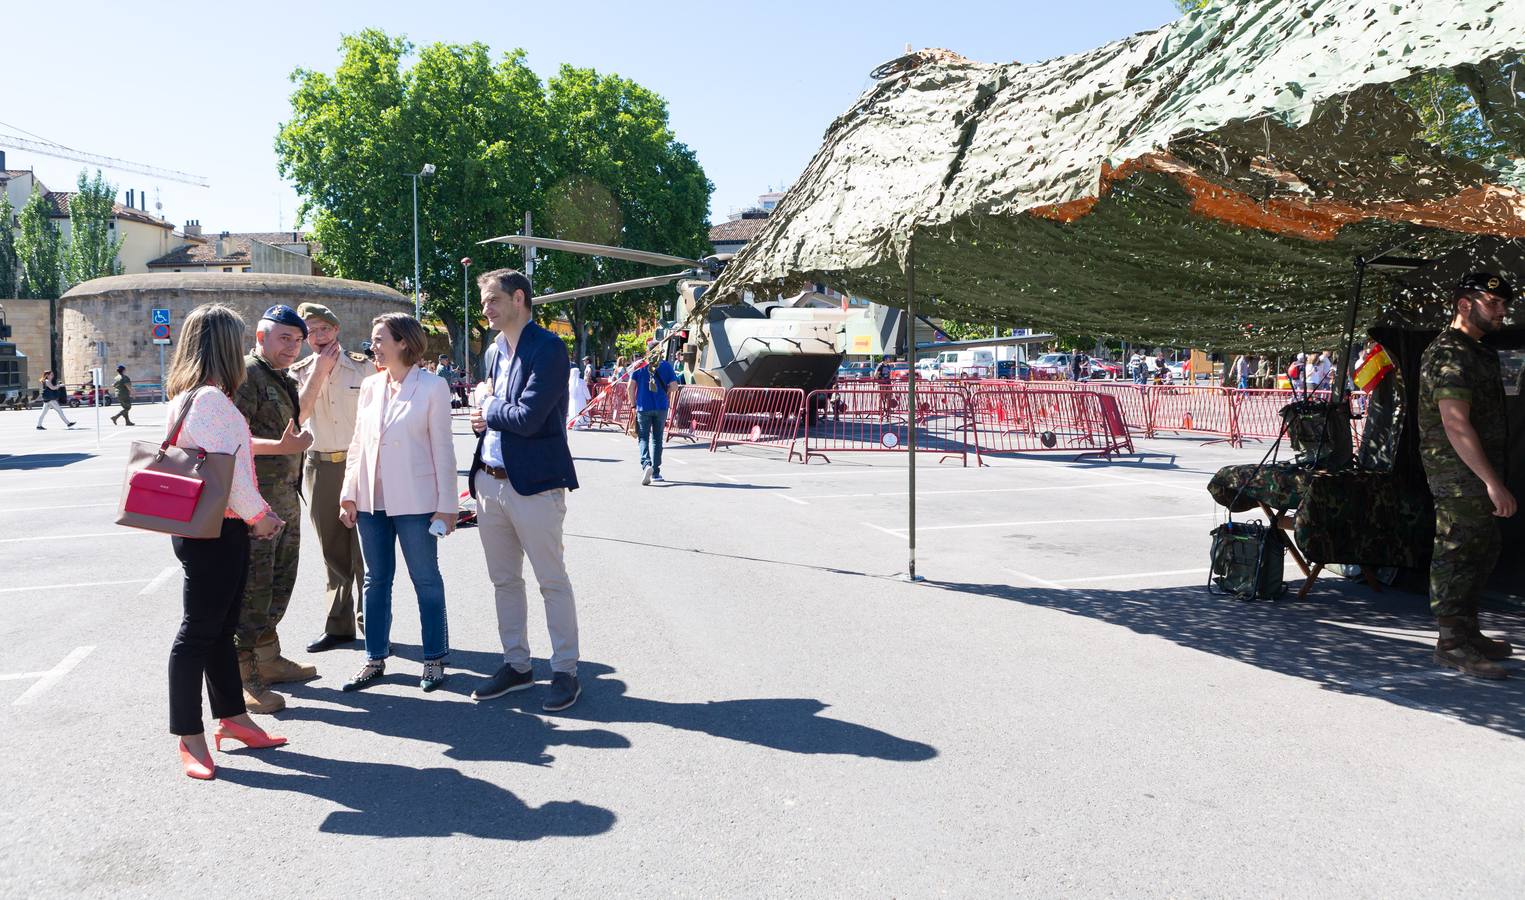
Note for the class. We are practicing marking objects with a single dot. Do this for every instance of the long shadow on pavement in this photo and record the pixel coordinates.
(512, 729)
(386, 800)
(1334, 639)
(26, 461)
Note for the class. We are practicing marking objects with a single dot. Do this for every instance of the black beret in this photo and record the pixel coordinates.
(281, 314)
(1487, 282)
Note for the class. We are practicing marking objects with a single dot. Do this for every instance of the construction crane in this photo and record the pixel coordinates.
(59, 151)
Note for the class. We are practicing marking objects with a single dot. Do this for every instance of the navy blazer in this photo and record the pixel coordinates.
(533, 418)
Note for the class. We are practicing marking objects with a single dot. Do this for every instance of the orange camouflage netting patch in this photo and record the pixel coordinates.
(1489, 209)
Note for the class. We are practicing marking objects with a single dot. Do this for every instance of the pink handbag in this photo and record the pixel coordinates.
(176, 490)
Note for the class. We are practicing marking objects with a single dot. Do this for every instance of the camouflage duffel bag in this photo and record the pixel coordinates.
(1247, 561)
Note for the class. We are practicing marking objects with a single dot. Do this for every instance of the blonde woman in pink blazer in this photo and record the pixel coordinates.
(399, 486)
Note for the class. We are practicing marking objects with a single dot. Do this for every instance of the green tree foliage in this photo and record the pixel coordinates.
(92, 250)
(9, 264)
(39, 247)
(590, 157)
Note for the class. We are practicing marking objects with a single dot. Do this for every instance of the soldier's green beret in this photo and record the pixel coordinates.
(281, 314)
(318, 311)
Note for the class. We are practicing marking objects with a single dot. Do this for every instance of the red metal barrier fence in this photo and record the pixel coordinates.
(764, 417)
(610, 408)
(1009, 419)
(694, 411)
(869, 418)
(1192, 410)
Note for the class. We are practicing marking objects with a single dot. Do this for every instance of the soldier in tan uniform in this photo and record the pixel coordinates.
(329, 380)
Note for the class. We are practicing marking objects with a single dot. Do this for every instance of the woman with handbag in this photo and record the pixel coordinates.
(208, 367)
(400, 488)
(53, 394)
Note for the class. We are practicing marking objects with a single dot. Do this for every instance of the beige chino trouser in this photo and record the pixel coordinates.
(513, 526)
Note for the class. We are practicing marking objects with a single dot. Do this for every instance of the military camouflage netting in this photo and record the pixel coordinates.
(1207, 183)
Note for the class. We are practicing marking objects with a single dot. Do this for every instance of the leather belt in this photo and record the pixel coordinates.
(497, 472)
(336, 457)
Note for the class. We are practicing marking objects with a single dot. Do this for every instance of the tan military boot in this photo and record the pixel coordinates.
(1454, 649)
(275, 668)
(258, 697)
(1492, 648)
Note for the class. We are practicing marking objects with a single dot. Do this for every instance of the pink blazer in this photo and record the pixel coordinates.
(410, 437)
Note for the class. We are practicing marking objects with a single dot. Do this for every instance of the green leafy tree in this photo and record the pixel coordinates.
(9, 264)
(588, 156)
(39, 249)
(622, 178)
(92, 250)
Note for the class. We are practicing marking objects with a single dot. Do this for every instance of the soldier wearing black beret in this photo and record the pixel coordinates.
(268, 399)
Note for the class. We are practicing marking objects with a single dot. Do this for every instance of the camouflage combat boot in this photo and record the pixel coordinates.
(275, 668)
(1455, 649)
(258, 697)
(1487, 646)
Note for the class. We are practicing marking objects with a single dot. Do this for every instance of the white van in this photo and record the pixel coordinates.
(977, 363)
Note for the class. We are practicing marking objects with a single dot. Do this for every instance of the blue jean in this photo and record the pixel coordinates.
(648, 427)
(379, 536)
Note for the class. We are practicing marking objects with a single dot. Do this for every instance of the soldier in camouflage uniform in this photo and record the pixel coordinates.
(268, 399)
(1462, 444)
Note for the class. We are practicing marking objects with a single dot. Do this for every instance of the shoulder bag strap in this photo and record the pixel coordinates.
(174, 431)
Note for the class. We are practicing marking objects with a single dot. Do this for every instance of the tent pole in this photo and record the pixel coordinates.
(910, 380)
(1350, 336)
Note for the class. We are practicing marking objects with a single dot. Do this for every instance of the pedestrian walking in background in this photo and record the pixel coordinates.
(121, 385)
(270, 402)
(520, 475)
(328, 384)
(206, 370)
(1462, 444)
(578, 397)
(652, 385)
(53, 395)
(399, 488)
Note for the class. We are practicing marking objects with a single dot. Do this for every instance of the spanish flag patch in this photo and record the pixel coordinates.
(1372, 368)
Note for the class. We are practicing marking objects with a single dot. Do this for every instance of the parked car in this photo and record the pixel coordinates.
(976, 363)
(1012, 368)
(900, 371)
(851, 369)
(1051, 365)
(1102, 370)
(928, 369)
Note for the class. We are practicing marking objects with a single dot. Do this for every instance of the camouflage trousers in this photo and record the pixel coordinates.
(272, 570)
(1466, 550)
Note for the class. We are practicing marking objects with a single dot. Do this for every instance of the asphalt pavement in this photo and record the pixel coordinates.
(769, 707)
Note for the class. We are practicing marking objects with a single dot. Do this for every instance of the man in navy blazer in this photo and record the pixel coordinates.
(520, 475)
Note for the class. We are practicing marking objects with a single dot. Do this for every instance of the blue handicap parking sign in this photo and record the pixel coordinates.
(161, 317)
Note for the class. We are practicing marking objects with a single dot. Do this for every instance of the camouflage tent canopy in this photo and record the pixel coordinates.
(1206, 183)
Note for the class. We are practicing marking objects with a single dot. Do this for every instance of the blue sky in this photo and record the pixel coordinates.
(752, 88)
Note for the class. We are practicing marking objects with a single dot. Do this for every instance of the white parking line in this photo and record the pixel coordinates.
(54, 675)
(922, 493)
(900, 532)
(51, 508)
(1134, 575)
(125, 532)
(54, 487)
(77, 584)
(164, 575)
(1041, 582)
(791, 499)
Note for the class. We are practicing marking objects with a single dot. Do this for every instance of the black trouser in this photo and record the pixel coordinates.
(215, 571)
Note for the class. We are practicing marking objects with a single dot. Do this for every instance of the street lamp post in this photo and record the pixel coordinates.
(425, 172)
(466, 317)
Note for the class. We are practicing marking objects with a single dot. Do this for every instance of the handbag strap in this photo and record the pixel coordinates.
(174, 432)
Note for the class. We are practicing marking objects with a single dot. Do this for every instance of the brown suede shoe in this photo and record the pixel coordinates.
(258, 697)
(1455, 650)
(1491, 648)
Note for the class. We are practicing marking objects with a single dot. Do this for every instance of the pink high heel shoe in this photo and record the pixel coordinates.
(253, 738)
(195, 768)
